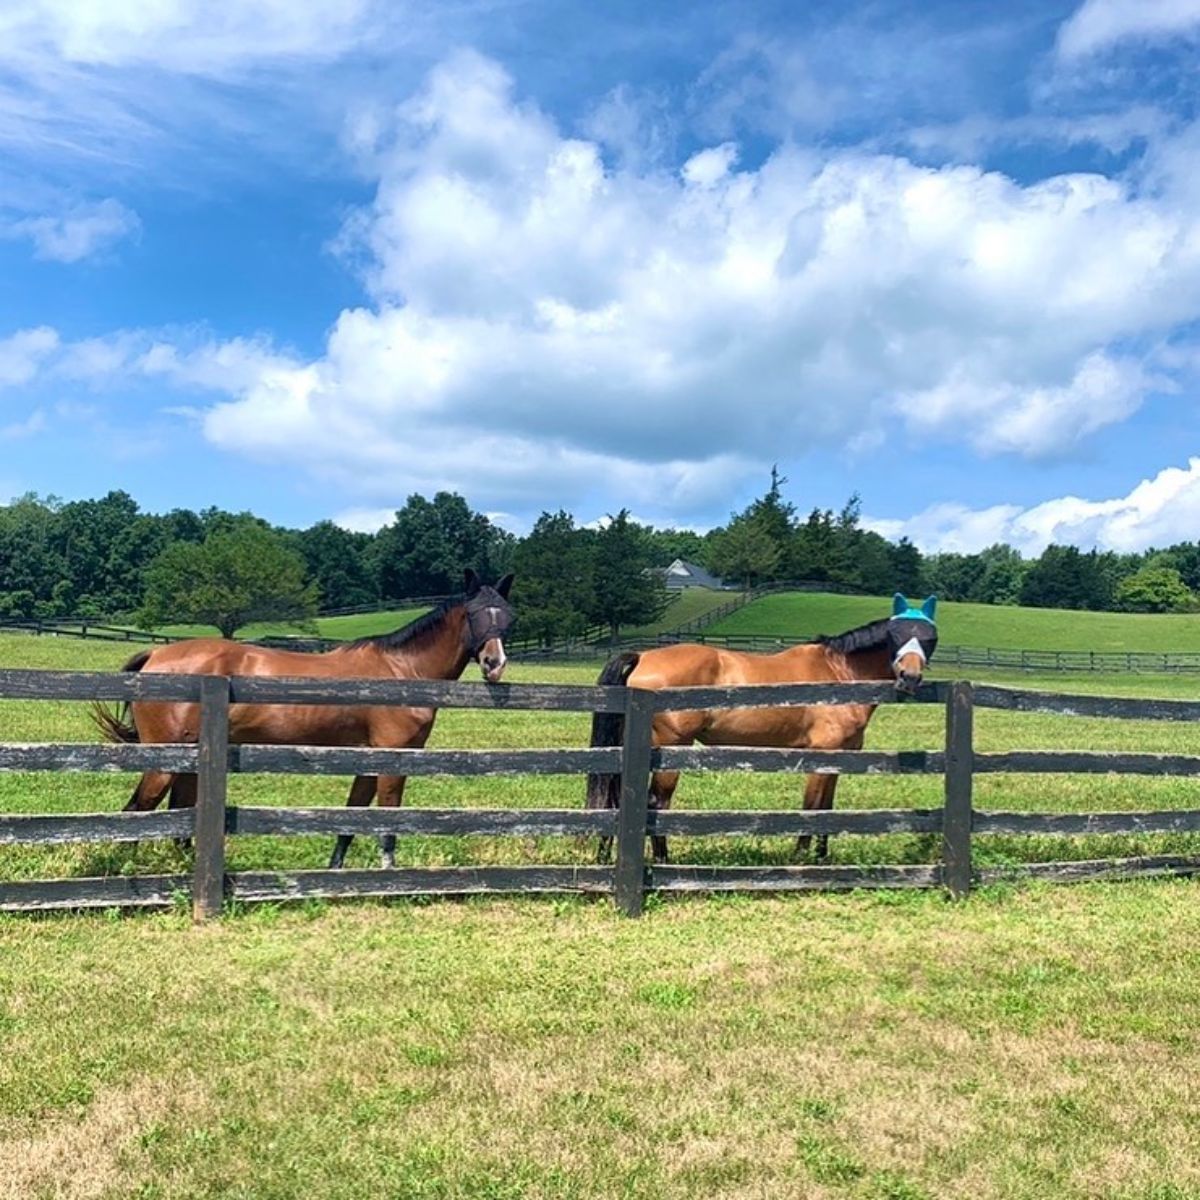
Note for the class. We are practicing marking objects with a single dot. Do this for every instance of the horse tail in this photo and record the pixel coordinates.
(116, 725)
(608, 729)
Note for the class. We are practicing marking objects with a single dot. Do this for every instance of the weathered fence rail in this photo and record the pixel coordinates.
(213, 819)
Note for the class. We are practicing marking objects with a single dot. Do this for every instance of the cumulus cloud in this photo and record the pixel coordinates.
(545, 323)
(1098, 25)
(539, 313)
(80, 232)
(1158, 512)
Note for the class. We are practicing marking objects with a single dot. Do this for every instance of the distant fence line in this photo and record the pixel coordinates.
(212, 759)
(595, 644)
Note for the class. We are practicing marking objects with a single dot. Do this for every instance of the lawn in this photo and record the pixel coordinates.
(342, 628)
(797, 615)
(1031, 1042)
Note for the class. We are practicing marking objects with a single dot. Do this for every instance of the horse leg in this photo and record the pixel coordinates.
(391, 792)
(362, 791)
(662, 788)
(818, 795)
(183, 795)
(149, 791)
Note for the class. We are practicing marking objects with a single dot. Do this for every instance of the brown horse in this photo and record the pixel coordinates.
(437, 645)
(895, 648)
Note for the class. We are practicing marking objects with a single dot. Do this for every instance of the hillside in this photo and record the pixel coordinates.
(342, 628)
(799, 615)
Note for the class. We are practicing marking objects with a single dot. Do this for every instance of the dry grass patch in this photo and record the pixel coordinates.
(93, 1153)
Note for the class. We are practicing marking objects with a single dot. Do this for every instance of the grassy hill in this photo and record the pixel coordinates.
(803, 614)
(687, 606)
(343, 628)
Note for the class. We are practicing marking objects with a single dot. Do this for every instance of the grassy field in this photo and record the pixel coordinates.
(342, 628)
(1031, 1042)
(686, 606)
(689, 604)
(802, 614)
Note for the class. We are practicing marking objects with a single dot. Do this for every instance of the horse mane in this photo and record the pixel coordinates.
(415, 634)
(866, 637)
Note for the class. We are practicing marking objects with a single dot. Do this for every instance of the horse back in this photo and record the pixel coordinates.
(279, 724)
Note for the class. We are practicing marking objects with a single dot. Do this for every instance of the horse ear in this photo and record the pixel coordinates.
(505, 585)
(929, 608)
(470, 582)
(899, 604)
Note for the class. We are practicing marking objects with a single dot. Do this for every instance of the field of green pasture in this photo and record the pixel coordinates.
(894, 727)
(1030, 1042)
(796, 615)
(345, 628)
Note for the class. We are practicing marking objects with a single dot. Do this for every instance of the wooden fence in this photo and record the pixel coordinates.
(212, 759)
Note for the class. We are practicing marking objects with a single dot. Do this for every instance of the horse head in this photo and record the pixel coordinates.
(912, 638)
(489, 617)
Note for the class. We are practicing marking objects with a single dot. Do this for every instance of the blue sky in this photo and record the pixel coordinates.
(309, 259)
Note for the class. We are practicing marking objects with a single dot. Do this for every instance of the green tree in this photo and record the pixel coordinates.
(873, 571)
(1065, 577)
(815, 552)
(624, 590)
(337, 562)
(236, 575)
(425, 550)
(554, 588)
(1155, 589)
(666, 545)
(745, 551)
(908, 568)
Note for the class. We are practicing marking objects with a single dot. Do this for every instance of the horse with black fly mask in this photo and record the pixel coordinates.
(437, 645)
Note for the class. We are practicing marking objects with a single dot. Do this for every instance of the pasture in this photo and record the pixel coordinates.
(1031, 1042)
(798, 615)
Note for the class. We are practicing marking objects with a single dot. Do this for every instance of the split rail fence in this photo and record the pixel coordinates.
(630, 878)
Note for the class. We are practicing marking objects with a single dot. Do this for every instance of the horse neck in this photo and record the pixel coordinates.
(866, 665)
(442, 654)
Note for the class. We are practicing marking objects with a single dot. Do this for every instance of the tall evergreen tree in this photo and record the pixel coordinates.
(553, 593)
(624, 590)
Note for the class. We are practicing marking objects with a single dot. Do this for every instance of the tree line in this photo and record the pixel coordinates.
(108, 558)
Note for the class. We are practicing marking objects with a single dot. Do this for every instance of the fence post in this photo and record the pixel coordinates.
(629, 877)
(956, 815)
(208, 879)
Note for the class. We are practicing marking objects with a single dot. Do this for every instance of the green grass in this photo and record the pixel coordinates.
(894, 727)
(686, 606)
(342, 628)
(1029, 1043)
(800, 614)
(1023, 1045)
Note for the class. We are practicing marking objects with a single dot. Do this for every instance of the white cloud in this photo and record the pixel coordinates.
(1099, 24)
(365, 520)
(23, 353)
(1158, 512)
(546, 324)
(190, 36)
(78, 233)
(709, 167)
(539, 315)
(32, 424)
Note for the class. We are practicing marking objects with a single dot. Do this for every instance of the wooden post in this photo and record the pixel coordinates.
(208, 879)
(629, 877)
(956, 816)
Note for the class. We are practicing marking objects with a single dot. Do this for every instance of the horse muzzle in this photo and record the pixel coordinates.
(492, 661)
